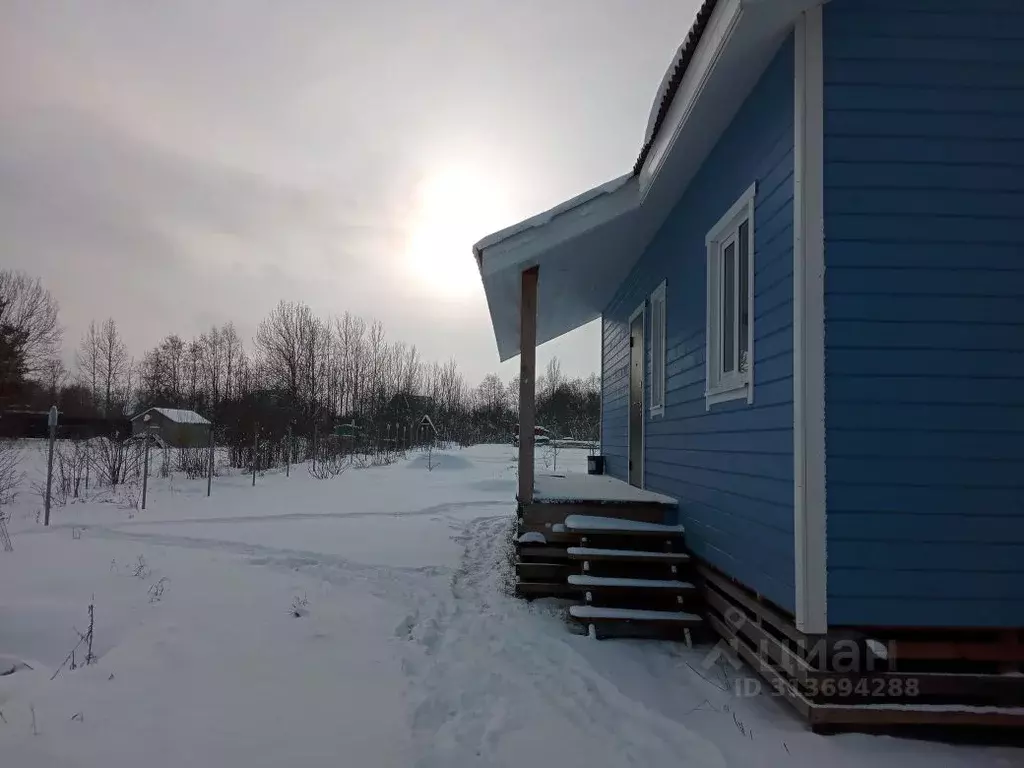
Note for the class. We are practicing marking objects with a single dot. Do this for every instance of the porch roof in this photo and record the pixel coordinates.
(586, 246)
(580, 245)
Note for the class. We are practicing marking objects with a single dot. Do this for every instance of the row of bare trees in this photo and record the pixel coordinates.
(300, 372)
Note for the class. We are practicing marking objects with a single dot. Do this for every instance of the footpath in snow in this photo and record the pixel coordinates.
(360, 621)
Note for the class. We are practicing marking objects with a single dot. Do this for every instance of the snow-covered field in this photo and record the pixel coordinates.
(407, 650)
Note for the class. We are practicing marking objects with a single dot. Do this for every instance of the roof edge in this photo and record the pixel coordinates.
(546, 217)
(673, 79)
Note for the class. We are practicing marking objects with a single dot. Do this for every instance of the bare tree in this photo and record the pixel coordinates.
(89, 359)
(114, 363)
(172, 357)
(375, 350)
(234, 352)
(552, 378)
(349, 333)
(212, 360)
(193, 364)
(54, 376)
(29, 331)
(279, 346)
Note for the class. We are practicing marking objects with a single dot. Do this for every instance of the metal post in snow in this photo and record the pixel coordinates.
(145, 466)
(255, 452)
(51, 420)
(288, 454)
(209, 469)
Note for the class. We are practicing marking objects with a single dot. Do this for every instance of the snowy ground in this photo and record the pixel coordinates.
(408, 652)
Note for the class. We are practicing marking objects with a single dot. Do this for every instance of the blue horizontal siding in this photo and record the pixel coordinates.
(731, 467)
(614, 397)
(924, 291)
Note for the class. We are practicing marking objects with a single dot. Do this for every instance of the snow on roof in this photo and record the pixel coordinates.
(547, 216)
(177, 415)
(673, 78)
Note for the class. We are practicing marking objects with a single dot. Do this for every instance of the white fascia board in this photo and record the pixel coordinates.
(809, 502)
(522, 245)
(714, 40)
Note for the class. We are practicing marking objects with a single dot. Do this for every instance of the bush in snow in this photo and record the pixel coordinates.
(114, 459)
(300, 606)
(10, 475)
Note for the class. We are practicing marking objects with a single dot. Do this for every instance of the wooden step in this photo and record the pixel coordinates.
(542, 554)
(599, 613)
(585, 581)
(535, 589)
(583, 524)
(544, 572)
(590, 553)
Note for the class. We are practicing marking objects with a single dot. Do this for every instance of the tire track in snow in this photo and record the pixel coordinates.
(407, 585)
(285, 516)
(261, 554)
(489, 671)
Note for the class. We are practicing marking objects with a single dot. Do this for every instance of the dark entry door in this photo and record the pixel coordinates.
(636, 401)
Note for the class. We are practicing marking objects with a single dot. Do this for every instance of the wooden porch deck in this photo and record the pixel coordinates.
(557, 496)
(579, 487)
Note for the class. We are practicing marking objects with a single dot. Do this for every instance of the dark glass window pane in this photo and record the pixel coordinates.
(744, 294)
(729, 308)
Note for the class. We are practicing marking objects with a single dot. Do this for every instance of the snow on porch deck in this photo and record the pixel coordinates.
(602, 489)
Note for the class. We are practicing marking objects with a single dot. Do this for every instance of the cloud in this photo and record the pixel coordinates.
(179, 164)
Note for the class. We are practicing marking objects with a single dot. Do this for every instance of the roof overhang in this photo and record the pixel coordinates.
(587, 246)
(578, 247)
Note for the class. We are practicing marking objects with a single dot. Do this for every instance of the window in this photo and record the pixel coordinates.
(658, 351)
(730, 331)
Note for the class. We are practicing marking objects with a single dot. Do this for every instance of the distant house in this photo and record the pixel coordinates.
(175, 427)
(811, 291)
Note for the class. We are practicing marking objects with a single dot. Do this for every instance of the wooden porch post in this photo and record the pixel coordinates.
(527, 382)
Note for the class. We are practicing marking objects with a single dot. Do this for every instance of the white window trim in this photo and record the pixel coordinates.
(738, 385)
(659, 295)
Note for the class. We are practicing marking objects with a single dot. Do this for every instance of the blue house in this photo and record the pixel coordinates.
(811, 292)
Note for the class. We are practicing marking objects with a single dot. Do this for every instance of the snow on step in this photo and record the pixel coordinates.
(590, 553)
(590, 524)
(609, 581)
(628, 614)
(532, 537)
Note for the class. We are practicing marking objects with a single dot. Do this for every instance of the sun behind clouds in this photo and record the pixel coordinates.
(455, 207)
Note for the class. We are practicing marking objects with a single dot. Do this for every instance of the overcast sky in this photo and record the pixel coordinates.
(179, 164)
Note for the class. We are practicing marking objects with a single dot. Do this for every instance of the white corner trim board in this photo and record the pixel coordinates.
(809, 524)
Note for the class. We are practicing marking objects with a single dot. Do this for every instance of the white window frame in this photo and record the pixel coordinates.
(659, 346)
(723, 386)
